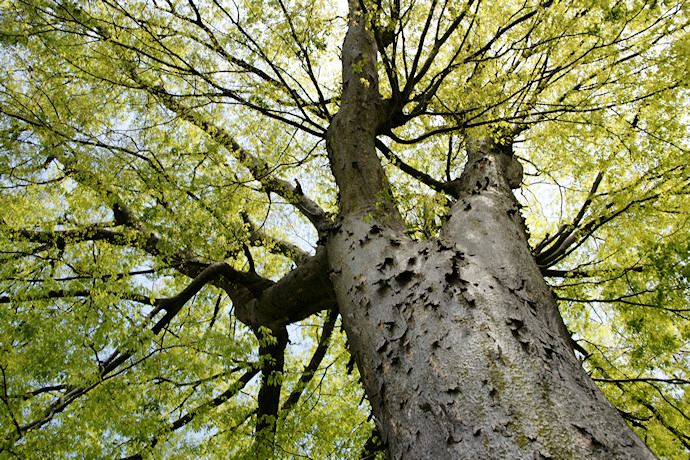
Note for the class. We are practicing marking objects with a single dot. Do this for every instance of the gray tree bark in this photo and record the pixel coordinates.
(459, 342)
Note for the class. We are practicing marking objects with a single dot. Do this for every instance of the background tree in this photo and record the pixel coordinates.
(201, 200)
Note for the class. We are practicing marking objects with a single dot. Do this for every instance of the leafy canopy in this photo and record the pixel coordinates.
(148, 146)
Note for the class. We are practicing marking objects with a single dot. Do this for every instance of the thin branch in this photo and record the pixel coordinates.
(553, 273)
(258, 237)
(257, 167)
(444, 187)
(671, 381)
(658, 415)
(201, 409)
(66, 293)
(310, 370)
(171, 305)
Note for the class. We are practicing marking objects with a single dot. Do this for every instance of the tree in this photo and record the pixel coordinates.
(208, 206)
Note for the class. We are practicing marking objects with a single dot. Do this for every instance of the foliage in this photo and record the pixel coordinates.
(147, 144)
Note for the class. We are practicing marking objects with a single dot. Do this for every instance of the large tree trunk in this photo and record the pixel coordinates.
(462, 351)
(461, 348)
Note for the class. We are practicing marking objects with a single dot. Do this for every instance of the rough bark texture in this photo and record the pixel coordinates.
(459, 342)
(462, 350)
(351, 136)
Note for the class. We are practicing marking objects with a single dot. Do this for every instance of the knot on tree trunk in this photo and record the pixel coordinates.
(491, 164)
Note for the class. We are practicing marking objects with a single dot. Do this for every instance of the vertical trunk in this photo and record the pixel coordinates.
(462, 351)
(461, 348)
(350, 139)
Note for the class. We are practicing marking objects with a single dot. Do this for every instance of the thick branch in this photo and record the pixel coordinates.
(310, 370)
(258, 301)
(566, 233)
(272, 355)
(350, 139)
(304, 291)
(373, 446)
(575, 238)
(172, 305)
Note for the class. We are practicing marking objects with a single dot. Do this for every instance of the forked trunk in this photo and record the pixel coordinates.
(462, 351)
(459, 342)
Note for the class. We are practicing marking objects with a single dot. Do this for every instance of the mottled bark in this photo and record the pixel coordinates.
(362, 186)
(461, 348)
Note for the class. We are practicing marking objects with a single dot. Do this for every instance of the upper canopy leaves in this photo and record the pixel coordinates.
(155, 149)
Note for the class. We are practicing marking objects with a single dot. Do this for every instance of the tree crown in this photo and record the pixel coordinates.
(166, 189)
